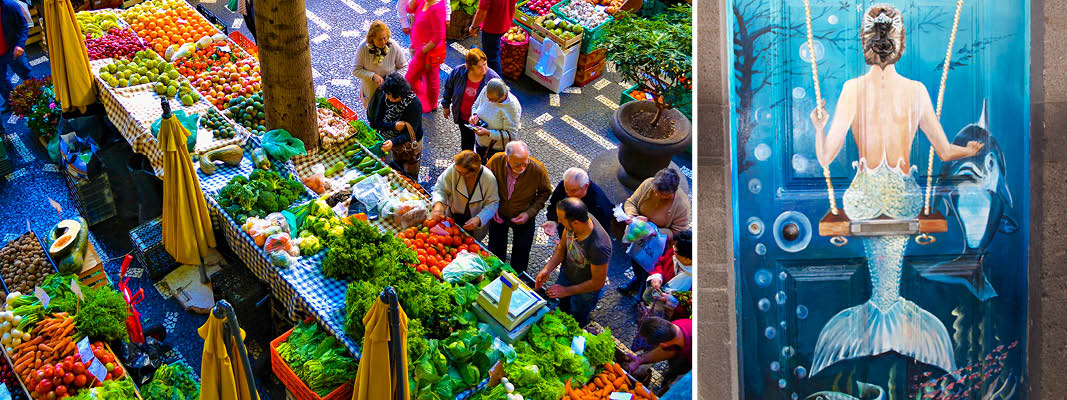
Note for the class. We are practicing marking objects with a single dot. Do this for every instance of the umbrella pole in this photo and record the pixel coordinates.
(223, 309)
(396, 358)
(203, 272)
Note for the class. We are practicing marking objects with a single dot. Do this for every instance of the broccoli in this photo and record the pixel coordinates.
(245, 197)
(268, 202)
(256, 174)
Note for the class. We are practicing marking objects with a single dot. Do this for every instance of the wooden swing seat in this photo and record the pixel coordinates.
(840, 225)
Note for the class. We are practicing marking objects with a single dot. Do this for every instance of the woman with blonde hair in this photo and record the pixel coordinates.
(378, 56)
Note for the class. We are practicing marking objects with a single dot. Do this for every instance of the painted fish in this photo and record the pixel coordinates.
(867, 391)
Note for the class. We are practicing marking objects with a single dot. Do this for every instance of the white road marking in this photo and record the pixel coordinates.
(626, 85)
(315, 73)
(366, 25)
(687, 172)
(320, 91)
(553, 100)
(573, 90)
(315, 19)
(208, 1)
(459, 47)
(13, 119)
(607, 102)
(17, 174)
(50, 168)
(135, 272)
(610, 67)
(341, 82)
(38, 60)
(601, 84)
(237, 23)
(381, 11)
(446, 68)
(562, 148)
(588, 132)
(352, 33)
(355, 7)
(543, 119)
(20, 148)
(321, 38)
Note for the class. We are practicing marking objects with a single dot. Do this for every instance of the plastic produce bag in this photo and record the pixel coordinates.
(191, 122)
(282, 146)
(638, 230)
(281, 258)
(260, 229)
(465, 267)
(551, 57)
(276, 242)
(317, 181)
(371, 191)
(279, 219)
(648, 249)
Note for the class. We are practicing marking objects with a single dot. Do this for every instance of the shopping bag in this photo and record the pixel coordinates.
(551, 56)
(646, 251)
(232, 6)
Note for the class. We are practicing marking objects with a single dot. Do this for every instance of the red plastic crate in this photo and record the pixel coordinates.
(346, 112)
(296, 387)
(245, 43)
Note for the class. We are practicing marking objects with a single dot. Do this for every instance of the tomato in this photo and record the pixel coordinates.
(79, 368)
(58, 371)
(80, 380)
(68, 364)
(45, 372)
(435, 271)
(61, 390)
(44, 386)
(452, 254)
(428, 223)
(68, 378)
(117, 372)
(468, 240)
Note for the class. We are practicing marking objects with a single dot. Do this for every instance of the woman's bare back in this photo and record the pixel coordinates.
(888, 109)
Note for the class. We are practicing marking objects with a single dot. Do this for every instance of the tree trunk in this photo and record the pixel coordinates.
(285, 64)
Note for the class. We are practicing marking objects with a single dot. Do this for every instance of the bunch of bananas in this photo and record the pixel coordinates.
(96, 24)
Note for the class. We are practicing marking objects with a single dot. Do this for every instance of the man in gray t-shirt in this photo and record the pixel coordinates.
(584, 251)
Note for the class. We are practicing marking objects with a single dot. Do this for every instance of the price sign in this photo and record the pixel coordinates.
(225, 49)
(76, 288)
(85, 351)
(42, 296)
(98, 371)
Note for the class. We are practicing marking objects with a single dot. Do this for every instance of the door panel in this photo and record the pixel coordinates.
(815, 318)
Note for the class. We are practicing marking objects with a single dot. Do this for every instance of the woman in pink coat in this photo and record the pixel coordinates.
(428, 50)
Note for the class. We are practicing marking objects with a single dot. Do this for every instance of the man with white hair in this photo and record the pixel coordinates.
(497, 116)
(576, 184)
(522, 183)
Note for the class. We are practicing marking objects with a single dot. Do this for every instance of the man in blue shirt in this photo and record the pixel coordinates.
(15, 29)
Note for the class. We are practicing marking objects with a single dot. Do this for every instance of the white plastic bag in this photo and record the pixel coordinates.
(465, 267)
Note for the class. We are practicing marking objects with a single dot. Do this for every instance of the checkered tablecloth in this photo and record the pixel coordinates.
(134, 109)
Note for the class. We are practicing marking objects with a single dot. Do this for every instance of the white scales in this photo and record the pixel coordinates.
(509, 307)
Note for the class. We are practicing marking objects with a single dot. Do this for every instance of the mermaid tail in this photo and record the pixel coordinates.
(886, 322)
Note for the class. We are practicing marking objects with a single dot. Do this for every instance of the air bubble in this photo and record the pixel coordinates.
(761, 249)
(801, 372)
(755, 226)
(800, 163)
(782, 276)
(788, 352)
(799, 93)
(780, 298)
(802, 311)
(805, 54)
(764, 305)
(832, 19)
(770, 332)
(762, 152)
(754, 185)
(775, 366)
(763, 278)
(782, 383)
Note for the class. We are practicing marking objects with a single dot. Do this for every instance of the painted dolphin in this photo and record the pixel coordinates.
(978, 199)
(867, 392)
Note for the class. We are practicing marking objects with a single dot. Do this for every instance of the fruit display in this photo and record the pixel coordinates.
(147, 67)
(560, 27)
(25, 264)
(96, 24)
(437, 245)
(585, 13)
(169, 23)
(515, 35)
(62, 373)
(8, 378)
(218, 125)
(538, 7)
(248, 111)
(217, 54)
(332, 128)
(118, 43)
(610, 6)
(221, 85)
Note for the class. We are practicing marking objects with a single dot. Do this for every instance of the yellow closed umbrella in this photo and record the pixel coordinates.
(384, 352)
(223, 375)
(187, 233)
(73, 81)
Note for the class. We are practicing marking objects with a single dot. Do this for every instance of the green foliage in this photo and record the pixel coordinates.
(109, 390)
(656, 53)
(317, 358)
(545, 359)
(42, 111)
(600, 349)
(100, 315)
(362, 253)
(453, 365)
(176, 381)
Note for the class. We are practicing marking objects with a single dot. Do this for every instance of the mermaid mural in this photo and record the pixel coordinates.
(883, 109)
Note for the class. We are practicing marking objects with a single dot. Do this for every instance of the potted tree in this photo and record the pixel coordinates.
(656, 54)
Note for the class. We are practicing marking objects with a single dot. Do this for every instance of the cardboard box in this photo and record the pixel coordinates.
(587, 75)
(587, 60)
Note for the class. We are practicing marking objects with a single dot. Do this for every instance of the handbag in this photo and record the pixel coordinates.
(436, 56)
(409, 151)
(489, 151)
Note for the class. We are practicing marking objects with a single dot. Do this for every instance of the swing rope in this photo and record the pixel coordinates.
(940, 101)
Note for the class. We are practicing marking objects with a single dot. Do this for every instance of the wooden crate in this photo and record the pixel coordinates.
(540, 33)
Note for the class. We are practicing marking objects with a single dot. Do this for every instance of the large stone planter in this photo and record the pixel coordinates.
(641, 157)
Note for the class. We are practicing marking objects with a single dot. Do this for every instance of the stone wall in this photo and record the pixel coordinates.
(717, 330)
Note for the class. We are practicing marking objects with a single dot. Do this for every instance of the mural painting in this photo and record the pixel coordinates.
(881, 158)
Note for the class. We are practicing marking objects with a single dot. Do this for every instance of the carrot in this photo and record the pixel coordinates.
(599, 382)
(46, 348)
(67, 330)
(621, 381)
(567, 388)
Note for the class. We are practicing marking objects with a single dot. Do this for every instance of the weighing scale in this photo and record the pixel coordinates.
(509, 307)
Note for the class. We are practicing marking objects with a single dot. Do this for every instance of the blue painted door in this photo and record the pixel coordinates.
(881, 317)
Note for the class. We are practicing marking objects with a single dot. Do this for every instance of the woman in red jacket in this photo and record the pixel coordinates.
(673, 273)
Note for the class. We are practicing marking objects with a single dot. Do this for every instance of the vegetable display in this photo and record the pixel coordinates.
(364, 133)
(423, 298)
(115, 389)
(7, 377)
(248, 111)
(545, 359)
(317, 358)
(210, 54)
(612, 380)
(437, 247)
(585, 13)
(537, 8)
(224, 83)
(218, 125)
(175, 381)
(332, 128)
(453, 365)
(361, 252)
(96, 24)
(262, 193)
(25, 264)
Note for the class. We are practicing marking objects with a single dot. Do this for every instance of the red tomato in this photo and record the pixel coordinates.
(80, 380)
(61, 390)
(68, 364)
(428, 223)
(46, 373)
(435, 271)
(44, 386)
(58, 371)
(419, 243)
(117, 372)
(68, 378)
(79, 368)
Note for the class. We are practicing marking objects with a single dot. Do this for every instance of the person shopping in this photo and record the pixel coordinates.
(672, 341)
(494, 18)
(399, 120)
(661, 201)
(523, 188)
(428, 50)
(15, 29)
(497, 115)
(406, 17)
(673, 273)
(377, 57)
(576, 184)
(584, 253)
(467, 191)
(462, 88)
